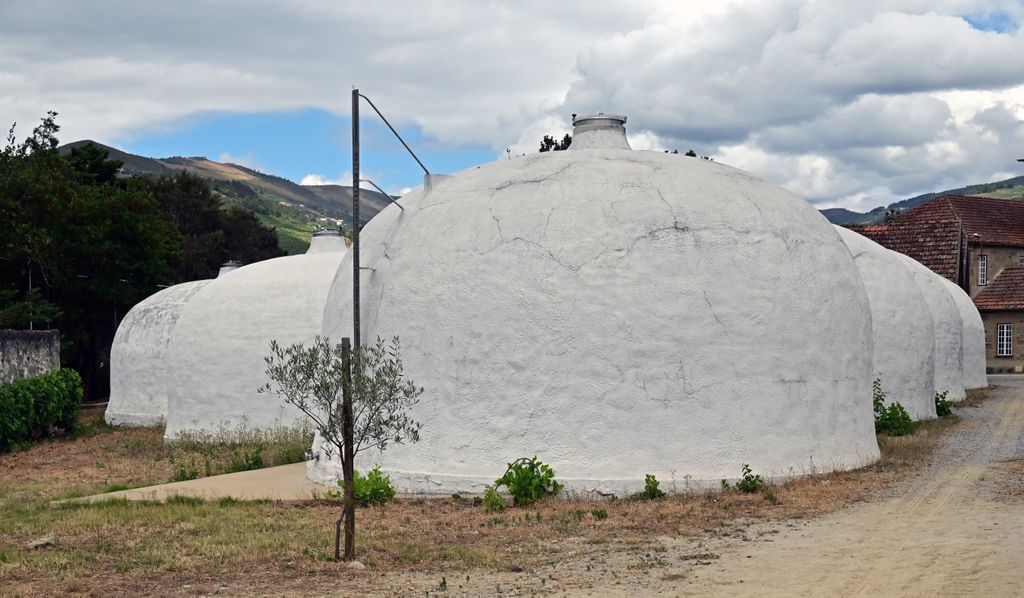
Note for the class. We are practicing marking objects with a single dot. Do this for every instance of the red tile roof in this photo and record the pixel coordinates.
(998, 221)
(934, 244)
(1005, 293)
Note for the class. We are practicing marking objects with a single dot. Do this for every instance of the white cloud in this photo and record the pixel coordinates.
(844, 102)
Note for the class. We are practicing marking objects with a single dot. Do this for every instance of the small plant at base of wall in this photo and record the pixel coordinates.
(892, 419)
(943, 406)
(749, 482)
(651, 490)
(529, 480)
(493, 502)
(373, 489)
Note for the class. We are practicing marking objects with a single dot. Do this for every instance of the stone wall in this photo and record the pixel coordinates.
(998, 258)
(1004, 365)
(28, 353)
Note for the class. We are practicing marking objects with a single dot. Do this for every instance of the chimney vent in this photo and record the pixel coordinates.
(599, 131)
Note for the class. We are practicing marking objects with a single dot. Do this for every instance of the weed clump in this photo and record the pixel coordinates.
(750, 482)
(492, 501)
(943, 406)
(651, 490)
(892, 419)
(373, 489)
(529, 480)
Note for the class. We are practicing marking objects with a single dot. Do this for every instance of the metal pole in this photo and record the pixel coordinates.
(355, 218)
(347, 431)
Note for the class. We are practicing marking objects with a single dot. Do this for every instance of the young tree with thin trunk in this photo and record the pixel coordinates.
(356, 400)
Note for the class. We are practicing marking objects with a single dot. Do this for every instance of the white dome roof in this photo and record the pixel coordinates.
(948, 329)
(904, 333)
(973, 347)
(218, 347)
(616, 313)
(138, 357)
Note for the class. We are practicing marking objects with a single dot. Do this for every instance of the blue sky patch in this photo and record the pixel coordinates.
(297, 143)
(996, 21)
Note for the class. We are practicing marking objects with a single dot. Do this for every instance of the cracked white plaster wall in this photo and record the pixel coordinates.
(139, 357)
(973, 347)
(616, 313)
(901, 322)
(218, 347)
(948, 328)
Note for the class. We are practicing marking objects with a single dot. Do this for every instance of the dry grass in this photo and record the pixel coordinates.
(201, 547)
(975, 396)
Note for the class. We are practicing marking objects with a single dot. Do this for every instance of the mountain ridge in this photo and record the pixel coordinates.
(295, 210)
(1011, 188)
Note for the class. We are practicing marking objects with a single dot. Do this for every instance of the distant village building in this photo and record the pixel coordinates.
(977, 243)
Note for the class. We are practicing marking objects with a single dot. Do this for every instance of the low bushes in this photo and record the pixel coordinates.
(38, 406)
(892, 419)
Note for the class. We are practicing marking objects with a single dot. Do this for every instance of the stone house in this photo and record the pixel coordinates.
(978, 243)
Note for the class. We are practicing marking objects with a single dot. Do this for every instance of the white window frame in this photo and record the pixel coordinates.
(982, 270)
(1004, 340)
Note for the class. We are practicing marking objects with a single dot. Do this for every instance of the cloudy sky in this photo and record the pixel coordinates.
(849, 104)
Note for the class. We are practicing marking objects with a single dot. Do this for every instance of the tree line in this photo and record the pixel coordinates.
(81, 244)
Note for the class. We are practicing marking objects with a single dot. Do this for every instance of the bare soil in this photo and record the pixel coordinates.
(942, 513)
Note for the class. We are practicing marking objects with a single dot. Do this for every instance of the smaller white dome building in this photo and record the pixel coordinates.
(218, 347)
(948, 329)
(901, 325)
(138, 357)
(973, 348)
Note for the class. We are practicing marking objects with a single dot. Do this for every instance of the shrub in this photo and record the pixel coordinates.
(943, 406)
(373, 489)
(750, 482)
(35, 407)
(528, 480)
(493, 502)
(651, 490)
(892, 419)
(599, 513)
(895, 421)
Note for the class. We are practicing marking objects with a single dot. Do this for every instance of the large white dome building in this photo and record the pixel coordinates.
(901, 322)
(616, 313)
(973, 340)
(138, 357)
(218, 346)
(948, 329)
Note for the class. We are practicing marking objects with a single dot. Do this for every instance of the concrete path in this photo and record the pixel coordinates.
(285, 483)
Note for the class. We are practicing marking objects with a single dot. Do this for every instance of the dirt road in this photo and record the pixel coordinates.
(952, 531)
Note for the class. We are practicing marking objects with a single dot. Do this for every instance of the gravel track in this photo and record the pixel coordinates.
(945, 532)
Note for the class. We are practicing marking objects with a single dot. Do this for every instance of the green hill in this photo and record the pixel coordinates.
(295, 210)
(1008, 189)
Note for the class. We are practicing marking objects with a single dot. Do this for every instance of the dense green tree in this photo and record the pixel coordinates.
(91, 165)
(78, 247)
(213, 232)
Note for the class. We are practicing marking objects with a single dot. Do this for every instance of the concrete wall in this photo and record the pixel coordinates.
(28, 353)
(1004, 365)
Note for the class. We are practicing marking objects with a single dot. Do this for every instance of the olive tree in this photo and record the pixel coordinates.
(356, 400)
